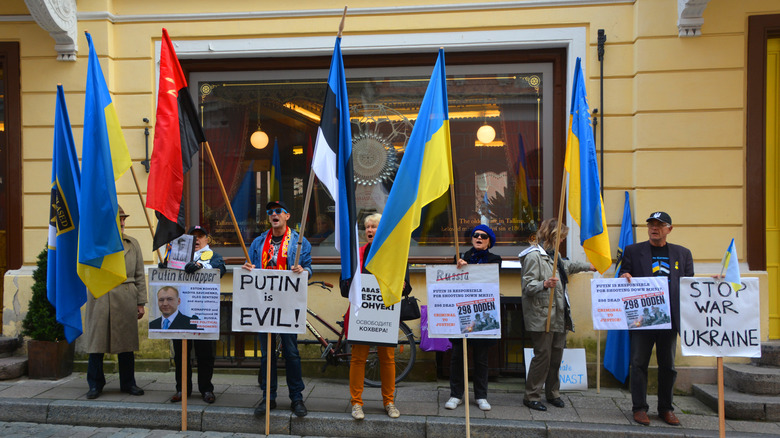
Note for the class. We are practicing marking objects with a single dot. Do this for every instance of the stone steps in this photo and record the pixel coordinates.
(738, 405)
(752, 379)
(770, 355)
(11, 367)
(8, 346)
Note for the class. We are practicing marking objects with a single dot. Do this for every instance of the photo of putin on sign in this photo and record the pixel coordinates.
(168, 302)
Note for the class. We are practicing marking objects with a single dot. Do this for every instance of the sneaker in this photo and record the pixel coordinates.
(453, 403)
(357, 412)
(392, 411)
(483, 404)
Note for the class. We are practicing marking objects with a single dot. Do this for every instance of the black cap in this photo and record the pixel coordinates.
(660, 216)
(198, 228)
(273, 204)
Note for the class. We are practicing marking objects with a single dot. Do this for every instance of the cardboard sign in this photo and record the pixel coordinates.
(182, 250)
(374, 323)
(573, 373)
(642, 304)
(716, 320)
(182, 305)
(463, 303)
(269, 301)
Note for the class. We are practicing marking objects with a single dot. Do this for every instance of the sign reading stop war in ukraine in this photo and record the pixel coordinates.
(716, 320)
(269, 301)
(463, 303)
(374, 323)
(182, 305)
(642, 304)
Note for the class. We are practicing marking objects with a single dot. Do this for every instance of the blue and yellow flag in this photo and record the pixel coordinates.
(585, 203)
(275, 189)
(730, 264)
(522, 206)
(104, 159)
(64, 288)
(425, 173)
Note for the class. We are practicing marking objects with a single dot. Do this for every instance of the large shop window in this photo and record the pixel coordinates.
(505, 181)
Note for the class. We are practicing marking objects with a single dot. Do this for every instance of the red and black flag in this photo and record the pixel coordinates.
(177, 137)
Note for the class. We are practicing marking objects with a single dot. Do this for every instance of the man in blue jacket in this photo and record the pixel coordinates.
(276, 249)
(656, 258)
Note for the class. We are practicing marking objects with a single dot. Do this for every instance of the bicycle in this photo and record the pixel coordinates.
(336, 352)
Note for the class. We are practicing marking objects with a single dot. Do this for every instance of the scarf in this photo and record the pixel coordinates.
(268, 250)
(478, 257)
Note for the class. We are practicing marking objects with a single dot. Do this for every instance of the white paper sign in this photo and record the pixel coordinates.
(463, 303)
(642, 304)
(182, 250)
(573, 372)
(269, 301)
(182, 305)
(374, 324)
(716, 320)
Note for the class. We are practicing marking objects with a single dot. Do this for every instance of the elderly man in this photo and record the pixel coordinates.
(276, 249)
(656, 258)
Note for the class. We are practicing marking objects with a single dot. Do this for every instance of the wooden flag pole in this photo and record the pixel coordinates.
(466, 387)
(341, 25)
(184, 367)
(557, 244)
(306, 203)
(268, 355)
(225, 197)
(721, 402)
(598, 362)
(143, 207)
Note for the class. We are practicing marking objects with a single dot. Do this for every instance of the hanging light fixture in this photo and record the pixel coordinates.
(259, 139)
(486, 133)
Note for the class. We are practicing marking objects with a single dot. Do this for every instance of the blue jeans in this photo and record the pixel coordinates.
(292, 366)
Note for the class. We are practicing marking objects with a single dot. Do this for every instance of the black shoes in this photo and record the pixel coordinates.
(93, 393)
(260, 409)
(298, 408)
(134, 390)
(557, 402)
(208, 397)
(535, 405)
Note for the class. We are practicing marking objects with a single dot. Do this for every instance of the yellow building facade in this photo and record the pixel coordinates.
(690, 111)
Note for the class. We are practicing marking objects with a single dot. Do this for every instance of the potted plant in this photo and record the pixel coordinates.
(49, 356)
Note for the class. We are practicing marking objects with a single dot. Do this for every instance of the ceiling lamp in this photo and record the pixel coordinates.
(259, 139)
(486, 134)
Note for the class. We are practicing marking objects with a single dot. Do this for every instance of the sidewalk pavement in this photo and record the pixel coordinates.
(587, 414)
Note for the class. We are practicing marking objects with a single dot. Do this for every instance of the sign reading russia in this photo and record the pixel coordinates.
(269, 301)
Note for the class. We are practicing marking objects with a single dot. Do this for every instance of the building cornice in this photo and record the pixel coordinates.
(58, 17)
(691, 17)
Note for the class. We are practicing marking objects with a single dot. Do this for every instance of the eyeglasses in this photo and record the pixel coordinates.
(482, 236)
(278, 210)
(657, 225)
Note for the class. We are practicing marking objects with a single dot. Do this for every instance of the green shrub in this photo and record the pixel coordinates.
(40, 323)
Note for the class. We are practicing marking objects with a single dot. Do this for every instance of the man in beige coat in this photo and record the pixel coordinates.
(112, 325)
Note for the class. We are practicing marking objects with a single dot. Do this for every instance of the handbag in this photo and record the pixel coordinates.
(410, 310)
(431, 344)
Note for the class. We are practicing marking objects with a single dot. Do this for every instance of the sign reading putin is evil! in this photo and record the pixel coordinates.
(269, 301)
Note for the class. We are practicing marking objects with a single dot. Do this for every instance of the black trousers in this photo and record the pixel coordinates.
(642, 342)
(479, 351)
(205, 351)
(96, 379)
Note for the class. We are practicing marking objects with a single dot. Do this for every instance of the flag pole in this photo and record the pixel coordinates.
(598, 362)
(465, 343)
(184, 364)
(267, 359)
(143, 206)
(225, 197)
(557, 244)
(721, 402)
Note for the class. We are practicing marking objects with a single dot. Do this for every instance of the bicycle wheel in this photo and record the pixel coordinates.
(405, 354)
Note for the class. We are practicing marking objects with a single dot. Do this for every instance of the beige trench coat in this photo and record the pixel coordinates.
(112, 320)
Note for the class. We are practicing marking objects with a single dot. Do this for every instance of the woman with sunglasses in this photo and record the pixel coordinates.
(482, 239)
(538, 279)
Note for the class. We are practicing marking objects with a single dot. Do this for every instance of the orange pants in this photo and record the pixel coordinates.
(357, 372)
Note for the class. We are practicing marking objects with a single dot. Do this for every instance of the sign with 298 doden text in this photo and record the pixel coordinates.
(463, 303)
(269, 301)
(716, 320)
(642, 304)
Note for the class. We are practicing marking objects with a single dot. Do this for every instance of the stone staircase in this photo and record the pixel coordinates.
(752, 391)
(11, 366)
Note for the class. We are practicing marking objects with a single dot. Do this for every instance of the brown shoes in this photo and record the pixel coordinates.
(641, 418)
(668, 417)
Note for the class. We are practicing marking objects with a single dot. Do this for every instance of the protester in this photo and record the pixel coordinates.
(205, 350)
(276, 249)
(357, 369)
(482, 239)
(538, 278)
(656, 258)
(112, 322)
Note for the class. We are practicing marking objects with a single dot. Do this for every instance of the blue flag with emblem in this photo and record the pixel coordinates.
(617, 351)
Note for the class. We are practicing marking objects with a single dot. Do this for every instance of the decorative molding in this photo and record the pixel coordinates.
(58, 17)
(691, 17)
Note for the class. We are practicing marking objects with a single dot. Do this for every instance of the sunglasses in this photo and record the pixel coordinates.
(482, 236)
(275, 211)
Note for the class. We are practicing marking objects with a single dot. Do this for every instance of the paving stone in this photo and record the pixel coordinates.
(380, 426)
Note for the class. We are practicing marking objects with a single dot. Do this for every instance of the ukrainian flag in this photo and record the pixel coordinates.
(275, 189)
(104, 159)
(731, 266)
(585, 203)
(425, 173)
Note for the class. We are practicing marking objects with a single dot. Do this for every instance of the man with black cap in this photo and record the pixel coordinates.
(276, 249)
(205, 350)
(656, 258)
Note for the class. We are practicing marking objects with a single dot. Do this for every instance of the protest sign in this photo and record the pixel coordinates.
(182, 305)
(181, 252)
(642, 304)
(269, 301)
(463, 303)
(374, 323)
(573, 372)
(716, 320)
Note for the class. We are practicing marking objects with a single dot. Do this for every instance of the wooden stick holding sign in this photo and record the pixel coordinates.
(557, 252)
(184, 388)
